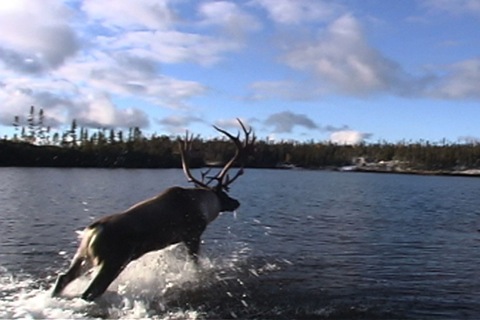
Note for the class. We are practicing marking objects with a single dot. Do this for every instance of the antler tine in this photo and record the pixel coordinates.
(247, 132)
(222, 177)
(228, 134)
(185, 147)
(204, 175)
(231, 180)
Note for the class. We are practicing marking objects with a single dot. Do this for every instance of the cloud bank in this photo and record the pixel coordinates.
(78, 59)
(107, 63)
(287, 121)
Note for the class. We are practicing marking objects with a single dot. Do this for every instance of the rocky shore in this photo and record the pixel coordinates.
(380, 169)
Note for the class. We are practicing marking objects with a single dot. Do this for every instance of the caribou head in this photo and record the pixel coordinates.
(222, 179)
(176, 215)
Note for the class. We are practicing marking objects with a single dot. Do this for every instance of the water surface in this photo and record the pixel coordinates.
(304, 244)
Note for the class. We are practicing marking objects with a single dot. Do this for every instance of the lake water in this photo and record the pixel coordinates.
(303, 244)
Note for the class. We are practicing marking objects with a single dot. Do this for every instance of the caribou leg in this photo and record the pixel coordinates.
(191, 238)
(105, 276)
(73, 272)
(193, 247)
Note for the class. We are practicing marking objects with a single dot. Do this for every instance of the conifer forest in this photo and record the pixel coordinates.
(34, 144)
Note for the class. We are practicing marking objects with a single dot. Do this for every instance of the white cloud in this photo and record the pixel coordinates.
(179, 121)
(151, 29)
(77, 58)
(229, 16)
(179, 124)
(348, 137)
(99, 111)
(18, 94)
(461, 81)
(63, 102)
(342, 60)
(292, 12)
(171, 46)
(284, 122)
(138, 14)
(130, 76)
(121, 59)
(456, 7)
(233, 123)
(36, 35)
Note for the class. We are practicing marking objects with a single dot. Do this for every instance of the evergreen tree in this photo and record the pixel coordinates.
(73, 133)
(41, 132)
(31, 125)
(16, 125)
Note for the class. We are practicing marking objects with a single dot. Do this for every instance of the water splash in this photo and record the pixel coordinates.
(160, 285)
(23, 298)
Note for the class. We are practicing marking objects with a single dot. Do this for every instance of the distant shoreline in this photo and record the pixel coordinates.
(157, 153)
(453, 173)
(473, 173)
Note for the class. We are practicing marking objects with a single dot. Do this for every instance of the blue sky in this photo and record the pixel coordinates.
(341, 71)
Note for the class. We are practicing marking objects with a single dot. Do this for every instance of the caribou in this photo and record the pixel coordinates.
(177, 215)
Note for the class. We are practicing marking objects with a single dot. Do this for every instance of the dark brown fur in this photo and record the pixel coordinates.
(176, 215)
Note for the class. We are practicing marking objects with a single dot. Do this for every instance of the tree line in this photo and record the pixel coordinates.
(37, 145)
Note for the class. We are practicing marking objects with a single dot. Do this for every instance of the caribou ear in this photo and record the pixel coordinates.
(218, 189)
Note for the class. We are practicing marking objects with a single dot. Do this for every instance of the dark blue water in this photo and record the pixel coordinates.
(304, 244)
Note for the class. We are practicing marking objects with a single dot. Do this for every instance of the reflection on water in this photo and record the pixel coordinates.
(304, 244)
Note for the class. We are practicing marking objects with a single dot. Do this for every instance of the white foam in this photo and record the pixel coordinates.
(23, 302)
(139, 291)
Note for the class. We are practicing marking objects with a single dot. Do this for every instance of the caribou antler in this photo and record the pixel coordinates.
(241, 154)
(185, 149)
(223, 178)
